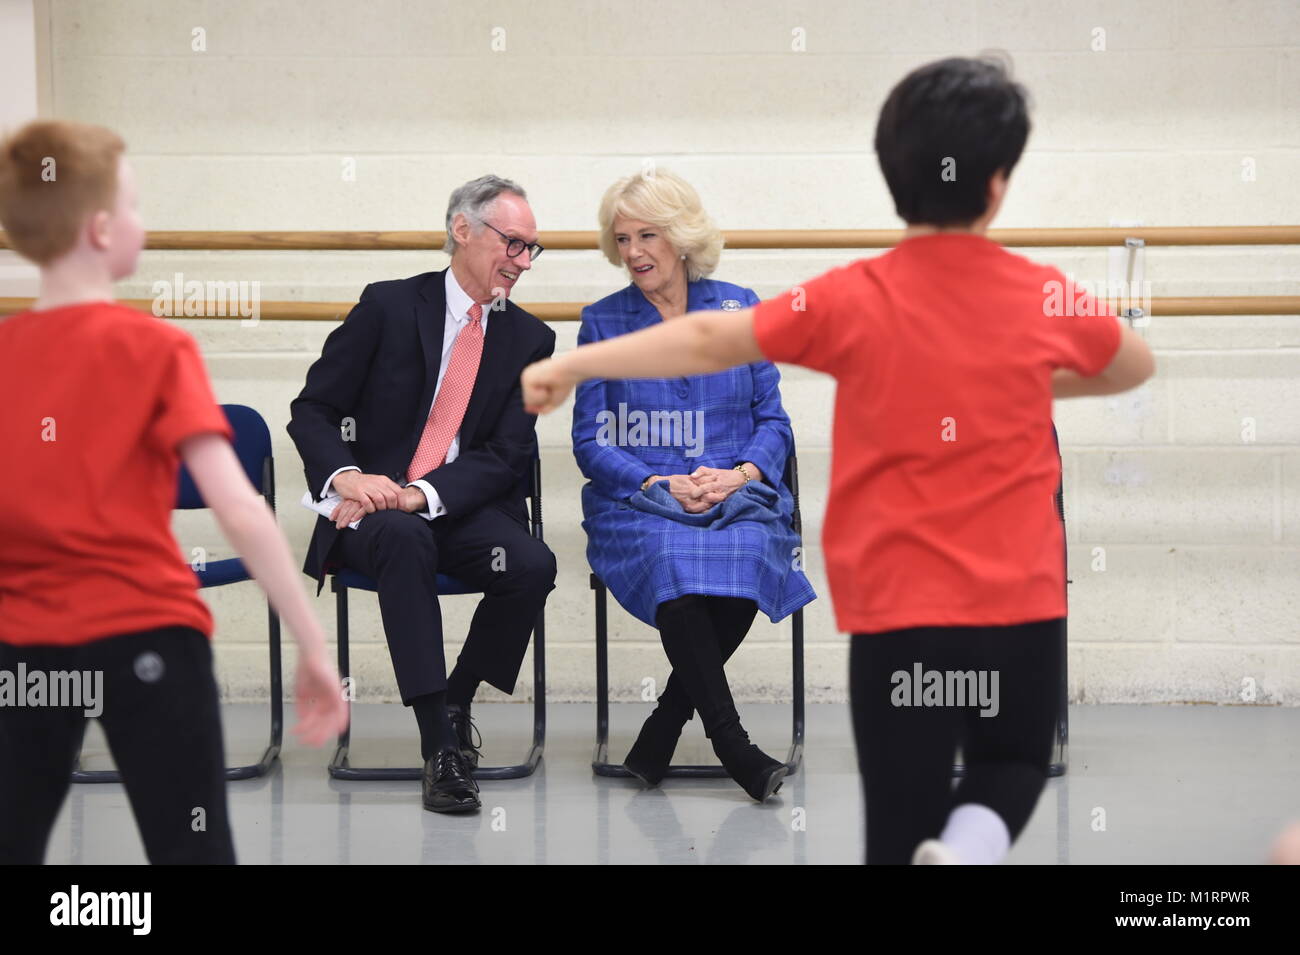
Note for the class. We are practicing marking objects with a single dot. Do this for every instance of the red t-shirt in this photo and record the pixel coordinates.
(943, 470)
(94, 400)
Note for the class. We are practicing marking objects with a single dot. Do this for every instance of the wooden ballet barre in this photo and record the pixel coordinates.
(572, 311)
(352, 241)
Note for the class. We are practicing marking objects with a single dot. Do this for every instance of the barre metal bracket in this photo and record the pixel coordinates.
(1135, 316)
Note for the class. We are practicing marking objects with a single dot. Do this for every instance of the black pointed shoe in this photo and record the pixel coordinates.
(466, 733)
(447, 783)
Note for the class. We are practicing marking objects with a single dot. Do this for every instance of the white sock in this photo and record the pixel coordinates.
(977, 834)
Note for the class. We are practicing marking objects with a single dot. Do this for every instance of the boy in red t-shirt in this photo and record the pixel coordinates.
(99, 404)
(944, 551)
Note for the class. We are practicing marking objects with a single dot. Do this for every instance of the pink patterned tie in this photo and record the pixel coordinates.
(453, 396)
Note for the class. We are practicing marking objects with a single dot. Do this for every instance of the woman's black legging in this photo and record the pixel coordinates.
(702, 631)
(906, 752)
(160, 715)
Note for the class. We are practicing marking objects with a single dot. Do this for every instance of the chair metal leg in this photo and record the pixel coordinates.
(80, 775)
(338, 762)
(340, 766)
(795, 756)
(600, 764)
(1061, 750)
(272, 751)
(534, 755)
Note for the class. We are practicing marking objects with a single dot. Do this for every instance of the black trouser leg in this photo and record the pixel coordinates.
(494, 552)
(161, 717)
(399, 551)
(38, 750)
(163, 724)
(435, 726)
(462, 684)
(905, 753)
(1007, 756)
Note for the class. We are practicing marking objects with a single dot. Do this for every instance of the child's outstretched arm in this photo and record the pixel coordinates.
(250, 527)
(694, 344)
(1133, 364)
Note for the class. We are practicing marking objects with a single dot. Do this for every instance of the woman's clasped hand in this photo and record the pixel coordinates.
(703, 488)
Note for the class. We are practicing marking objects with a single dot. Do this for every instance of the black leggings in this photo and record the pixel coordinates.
(906, 753)
(160, 715)
(724, 622)
(728, 619)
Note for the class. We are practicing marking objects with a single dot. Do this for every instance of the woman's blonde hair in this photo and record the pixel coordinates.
(668, 201)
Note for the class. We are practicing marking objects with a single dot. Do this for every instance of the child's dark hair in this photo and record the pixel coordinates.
(945, 129)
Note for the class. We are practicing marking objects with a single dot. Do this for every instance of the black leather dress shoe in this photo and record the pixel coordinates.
(448, 785)
(466, 732)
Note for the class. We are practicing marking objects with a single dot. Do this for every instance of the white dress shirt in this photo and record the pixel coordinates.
(458, 305)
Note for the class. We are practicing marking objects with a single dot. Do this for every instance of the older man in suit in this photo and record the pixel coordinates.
(412, 415)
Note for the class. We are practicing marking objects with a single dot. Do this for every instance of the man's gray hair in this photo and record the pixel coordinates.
(472, 200)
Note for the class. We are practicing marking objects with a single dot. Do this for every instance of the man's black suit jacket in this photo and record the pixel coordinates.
(380, 367)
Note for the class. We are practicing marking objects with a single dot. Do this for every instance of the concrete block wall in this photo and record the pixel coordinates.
(1184, 536)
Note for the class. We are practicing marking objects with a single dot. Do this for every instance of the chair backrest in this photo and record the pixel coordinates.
(253, 448)
(790, 478)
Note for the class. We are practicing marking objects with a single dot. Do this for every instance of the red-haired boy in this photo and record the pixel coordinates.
(99, 405)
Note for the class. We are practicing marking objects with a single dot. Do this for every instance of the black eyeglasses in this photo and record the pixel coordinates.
(515, 246)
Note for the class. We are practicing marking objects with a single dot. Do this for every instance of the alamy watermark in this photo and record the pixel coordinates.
(78, 689)
(1080, 297)
(190, 298)
(654, 429)
(129, 909)
(923, 687)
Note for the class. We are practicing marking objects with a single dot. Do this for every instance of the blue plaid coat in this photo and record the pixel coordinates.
(643, 558)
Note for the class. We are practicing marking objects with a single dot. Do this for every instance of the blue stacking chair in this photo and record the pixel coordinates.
(600, 763)
(343, 580)
(253, 448)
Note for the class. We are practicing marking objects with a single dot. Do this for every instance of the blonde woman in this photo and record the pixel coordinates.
(688, 522)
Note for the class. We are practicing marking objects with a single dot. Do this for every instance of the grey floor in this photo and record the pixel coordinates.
(1146, 784)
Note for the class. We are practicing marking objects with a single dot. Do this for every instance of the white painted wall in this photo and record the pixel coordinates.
(18, 104)
(1201, 529)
